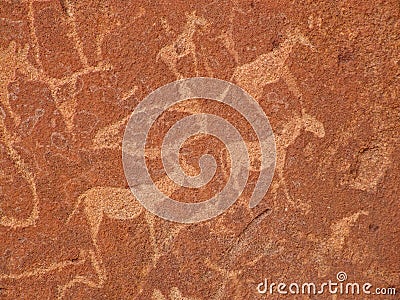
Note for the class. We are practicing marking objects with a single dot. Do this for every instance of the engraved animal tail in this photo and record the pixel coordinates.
(78, 203)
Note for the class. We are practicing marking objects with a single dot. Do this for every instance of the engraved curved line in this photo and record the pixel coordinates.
(6, 138)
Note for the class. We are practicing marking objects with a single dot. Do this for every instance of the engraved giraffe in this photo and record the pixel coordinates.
(12, 59)
(269, 68)
(67, 106)
(116, 203)
(183, 45)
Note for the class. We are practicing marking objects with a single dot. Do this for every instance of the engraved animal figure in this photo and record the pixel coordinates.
(116, 203)
(182, 46)
(120, 204)
(269, 68)
(12, 59)
(15, 58)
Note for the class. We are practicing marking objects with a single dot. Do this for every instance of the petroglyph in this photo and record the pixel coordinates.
(96, 262)
(116, 203)
(182, 46)
(335, 243)
(290, 132)
(71, 19)
(65, 106)
(312, 125)
(15, 58)
(161, 238)
(109, 137)
(371, 164)
(6, 138)
(356, 159)
(341, 230)
(269, 68)
(28, 125)
(227, 39)
(32, 32)
(67, 109)
(44, 270)
(241, 246)
(70, 9)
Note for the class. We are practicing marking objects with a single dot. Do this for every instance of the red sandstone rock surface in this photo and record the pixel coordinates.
(71, 72)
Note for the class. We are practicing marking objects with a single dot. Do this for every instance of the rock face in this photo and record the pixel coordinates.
(71, 73)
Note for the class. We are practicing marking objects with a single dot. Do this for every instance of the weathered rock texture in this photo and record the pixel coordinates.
(71, 73)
